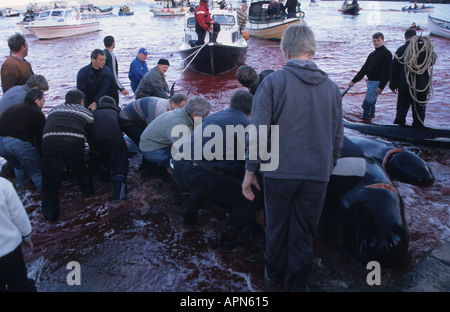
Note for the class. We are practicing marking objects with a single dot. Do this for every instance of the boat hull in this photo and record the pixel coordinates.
(213, 59)
(272, 31)
(61, 31)
(25, 31)
(417, 10)
(160, 11)
(351, 10)
(439, 27)
(125, 13)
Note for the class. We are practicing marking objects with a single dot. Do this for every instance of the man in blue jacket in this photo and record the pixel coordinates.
(138, 68)
(93, 79)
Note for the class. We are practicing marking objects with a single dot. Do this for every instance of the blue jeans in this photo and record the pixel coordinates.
(370, 99)
(25, 159)
(160, 156)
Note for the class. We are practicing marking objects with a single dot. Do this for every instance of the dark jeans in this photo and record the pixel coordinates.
(218, 187)
(404, 101)
(114, 159)
(56, 156)
(293, 209)
(201, 33)
(13, 273)
(132, 129)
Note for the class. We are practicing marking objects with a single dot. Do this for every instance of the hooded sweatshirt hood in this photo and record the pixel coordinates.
(306, 71)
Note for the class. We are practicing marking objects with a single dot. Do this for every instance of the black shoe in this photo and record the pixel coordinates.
(193, 43)
(228, 237)
(119, 192)
(272, 282)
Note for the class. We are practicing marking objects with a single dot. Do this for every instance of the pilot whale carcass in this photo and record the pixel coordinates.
(366, 209)
(400, 164)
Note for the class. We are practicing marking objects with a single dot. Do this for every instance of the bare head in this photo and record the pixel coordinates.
(298, 42)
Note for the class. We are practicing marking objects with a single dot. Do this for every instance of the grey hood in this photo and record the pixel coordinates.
(306, 71)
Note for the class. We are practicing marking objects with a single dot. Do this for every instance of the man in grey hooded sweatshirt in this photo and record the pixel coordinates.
(302, 108)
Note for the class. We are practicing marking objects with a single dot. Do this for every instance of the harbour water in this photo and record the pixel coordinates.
(140, 244)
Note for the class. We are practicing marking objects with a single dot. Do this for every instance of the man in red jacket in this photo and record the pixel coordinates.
(204, 23)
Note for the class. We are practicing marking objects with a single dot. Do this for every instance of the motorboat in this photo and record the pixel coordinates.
(125, 10)
(8, 12)
(350, 9)
(170, 8)
(258, 25)
(63, 22)
(439, 27)
(417, 9)
(96, 10)
(214, 58)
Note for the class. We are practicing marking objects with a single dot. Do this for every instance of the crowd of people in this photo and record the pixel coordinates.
(166, 128)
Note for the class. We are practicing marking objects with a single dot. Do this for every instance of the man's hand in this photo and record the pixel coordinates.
(125, 92)
(379, 91)
(93, 106)
(249, 180)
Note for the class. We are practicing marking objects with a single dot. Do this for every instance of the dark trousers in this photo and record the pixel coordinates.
(13, 273)
(131, 129)
(404, 101)
(56, 157)
(114, 159)
(293, 209)
(113, 93)
(201, 33)
(220, 188)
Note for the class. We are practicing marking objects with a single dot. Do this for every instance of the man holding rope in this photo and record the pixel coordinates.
(204, 23)
(410, 75)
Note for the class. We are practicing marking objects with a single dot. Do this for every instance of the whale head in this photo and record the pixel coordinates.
(407, 167)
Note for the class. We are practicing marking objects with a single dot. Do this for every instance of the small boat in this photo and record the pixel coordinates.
(350, 9)
(8, 12)
(418, 9)
(30, 15)
(170, 8)
(63, 22)
(214, 58)
(439, 27)
(125, 10)
(259, 26)
(97, 11)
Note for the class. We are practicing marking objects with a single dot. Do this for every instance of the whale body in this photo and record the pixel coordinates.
(365, 210)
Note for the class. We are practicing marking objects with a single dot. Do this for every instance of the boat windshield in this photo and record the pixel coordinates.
(224, 19)
(191, 22)
(57, 13)
(68, 14)
(44, 14)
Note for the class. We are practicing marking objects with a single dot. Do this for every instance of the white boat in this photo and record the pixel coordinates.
(8, 12)
(439, 27)
(170, 8)
(258, 25)
(214, 58)
(63, 22)
(97, 11)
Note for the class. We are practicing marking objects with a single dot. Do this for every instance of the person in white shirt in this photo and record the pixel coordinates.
(15, 228)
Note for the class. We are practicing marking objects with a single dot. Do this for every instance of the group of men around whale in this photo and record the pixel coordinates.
(318, 171)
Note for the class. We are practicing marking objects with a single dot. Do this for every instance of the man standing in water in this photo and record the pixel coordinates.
(93, 79)
(15, 69)
(308, 114)
(377, 68)
(112, 64)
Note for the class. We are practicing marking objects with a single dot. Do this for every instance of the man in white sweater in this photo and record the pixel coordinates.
(15, 227)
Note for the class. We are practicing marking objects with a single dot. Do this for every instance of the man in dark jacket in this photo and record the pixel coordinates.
(247, 76)
(21, 127)
(112, 64)
(107, 140)
(93, 79)
(291, 8)
(298, 112)
(377, 68)
(67, 128)
(217, 176)
(398, 82)
(154, 82)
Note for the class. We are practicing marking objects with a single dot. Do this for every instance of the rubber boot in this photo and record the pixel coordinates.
(119, 189)
(214, 36)
(190, 214)
(228, 237)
